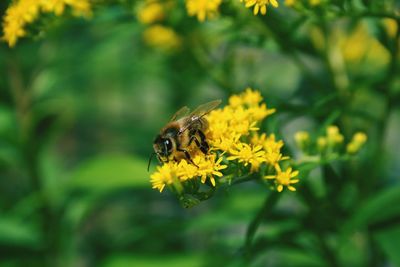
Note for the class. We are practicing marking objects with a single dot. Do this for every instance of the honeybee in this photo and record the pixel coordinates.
(184, 128)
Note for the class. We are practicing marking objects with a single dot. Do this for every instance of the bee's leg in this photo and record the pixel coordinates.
(204, 147)
(187, 155)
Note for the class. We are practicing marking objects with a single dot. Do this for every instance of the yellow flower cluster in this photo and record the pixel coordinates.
(176, 172)
(23, 12)
(157, 35)
(234, 140)
(162, 37)
(331, 142)
(260, 6)
(356, 143)
(203, 9)
(151, 12)
(292, 3)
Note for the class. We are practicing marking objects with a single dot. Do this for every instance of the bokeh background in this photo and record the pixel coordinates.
(81, 101)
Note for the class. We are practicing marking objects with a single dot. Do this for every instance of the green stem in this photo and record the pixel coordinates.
(265, 210)
(29, 150)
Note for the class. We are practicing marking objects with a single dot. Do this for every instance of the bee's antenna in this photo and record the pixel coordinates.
(150, 158)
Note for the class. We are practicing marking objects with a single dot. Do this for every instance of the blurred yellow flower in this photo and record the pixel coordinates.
(290, 2)
(359, 45)
(150, 12)
(162, 37)
(22, 12)
(203, 9)
(322, 143)
(284, 178)
(260, 6)
(302, 139)
(315, 2)
(333, 135)
(356, 143)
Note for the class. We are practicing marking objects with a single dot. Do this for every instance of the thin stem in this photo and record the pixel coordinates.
(271, 199)
(29, 150)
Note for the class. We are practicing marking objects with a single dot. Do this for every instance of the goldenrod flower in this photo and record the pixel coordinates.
(251, 97)
(203, 8)
(290, 2)
(233, 136)
(208, 167)
(356, 143)
(333, 135)
(161, 37)
(260, 5)
(22, 12)
(268, 142)
(302, 139)
(164, 175)
(284, 178)
(248, 154)
(321, 143)
(150, 12)
(315, 2)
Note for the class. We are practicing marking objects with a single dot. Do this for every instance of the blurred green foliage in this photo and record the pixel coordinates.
(81, 102)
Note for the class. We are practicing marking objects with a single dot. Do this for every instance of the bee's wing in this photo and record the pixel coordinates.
(202, 110)
(180, 113)
(199, 112)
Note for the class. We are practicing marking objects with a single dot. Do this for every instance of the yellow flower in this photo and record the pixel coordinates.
(302, 139)
(161, 37)
(232, 135)
(360, 46)
(356, 143)
(248, 154)
(333, 135)
(270, 146)
(284, 178)
(186, 170)
(164, 175)
(273, 157)
(202, 8)
(321, 143)
(235, 101)
(260, 5)
(315, 2)
(360, 138)
(208, 167)
(268, 143)
(251, 97)
(290, 2)
(22, 12)
(150, 12)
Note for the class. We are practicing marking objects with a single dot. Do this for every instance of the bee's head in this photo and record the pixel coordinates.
(163, 146)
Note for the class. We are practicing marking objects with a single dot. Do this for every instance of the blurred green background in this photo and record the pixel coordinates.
(81, 102)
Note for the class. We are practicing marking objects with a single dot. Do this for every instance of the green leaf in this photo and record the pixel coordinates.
(13, 231)
(381, 207)
(110, 172)
(389, 241)
(183, 259)
(288, 257)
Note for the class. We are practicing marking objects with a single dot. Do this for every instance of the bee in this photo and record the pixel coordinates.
(184, 128)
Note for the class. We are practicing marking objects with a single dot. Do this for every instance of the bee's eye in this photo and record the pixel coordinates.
(168, 144)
